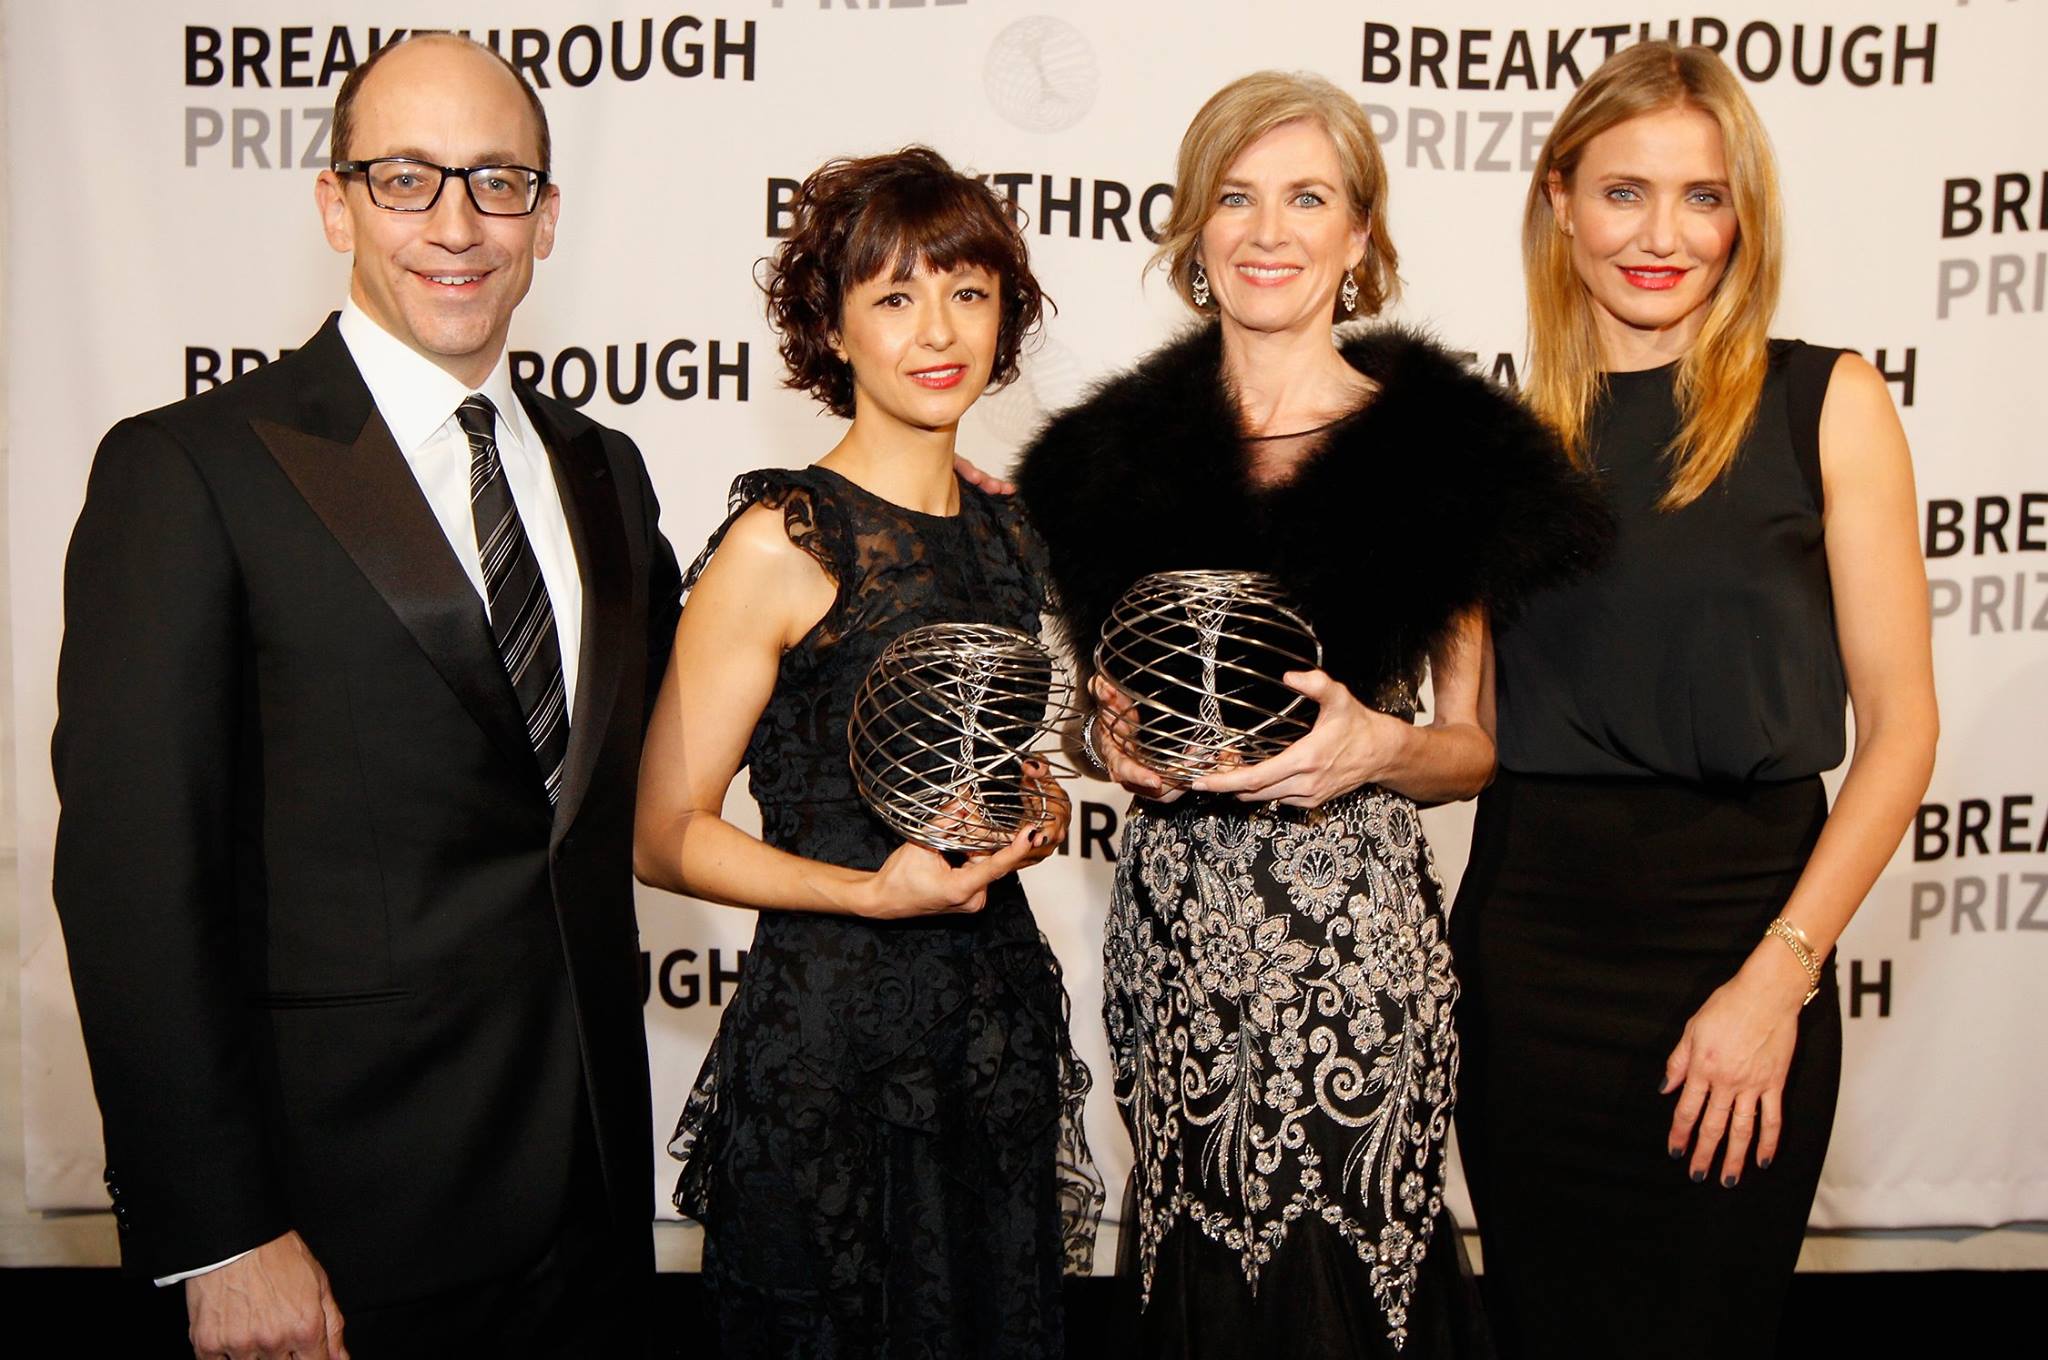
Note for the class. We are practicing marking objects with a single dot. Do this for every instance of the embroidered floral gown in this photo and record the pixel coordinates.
(884, 1144)
(1278, 990)
(1278, 995)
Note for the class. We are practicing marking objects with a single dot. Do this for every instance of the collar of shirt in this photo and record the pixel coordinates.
(416, 396)
(417, 399)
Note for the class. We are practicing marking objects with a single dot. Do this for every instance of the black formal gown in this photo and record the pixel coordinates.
(1278, 989)
(1278, 992)
(1663, 725)
(884, 1144)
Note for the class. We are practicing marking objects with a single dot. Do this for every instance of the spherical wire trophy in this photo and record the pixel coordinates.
(1200, 654)
(942, 726)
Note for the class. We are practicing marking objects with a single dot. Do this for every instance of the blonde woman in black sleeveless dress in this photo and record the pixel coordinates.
(884, 1143)
(1656, 883)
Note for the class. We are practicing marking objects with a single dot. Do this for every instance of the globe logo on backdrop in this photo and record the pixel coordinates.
(1041, 74)
(1050, 378)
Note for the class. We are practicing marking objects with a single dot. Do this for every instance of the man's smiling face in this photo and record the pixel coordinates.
(447, 280)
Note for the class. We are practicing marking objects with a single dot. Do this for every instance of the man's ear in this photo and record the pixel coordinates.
(332, 197)
(549, 212)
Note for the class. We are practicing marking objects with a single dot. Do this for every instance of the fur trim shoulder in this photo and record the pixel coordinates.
(1440, 494)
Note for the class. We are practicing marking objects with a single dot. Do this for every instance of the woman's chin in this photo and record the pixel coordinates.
(1270, 319)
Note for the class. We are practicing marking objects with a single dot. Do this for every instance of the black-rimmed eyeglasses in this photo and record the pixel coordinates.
(401, 184)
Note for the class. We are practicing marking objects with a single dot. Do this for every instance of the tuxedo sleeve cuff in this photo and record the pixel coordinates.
(185, 1275)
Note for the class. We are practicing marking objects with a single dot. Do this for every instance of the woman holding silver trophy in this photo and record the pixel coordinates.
(1279, 991)
(884, 1143)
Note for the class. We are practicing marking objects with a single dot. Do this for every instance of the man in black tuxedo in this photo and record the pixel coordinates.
(344, 858)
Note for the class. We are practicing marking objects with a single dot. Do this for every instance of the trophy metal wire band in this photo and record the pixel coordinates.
(1201, 654)
(941, 726)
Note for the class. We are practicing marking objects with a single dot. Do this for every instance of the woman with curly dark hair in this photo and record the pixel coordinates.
(884, 1143)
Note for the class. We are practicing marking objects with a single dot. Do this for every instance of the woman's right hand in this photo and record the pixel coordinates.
(915, 881)
(1116, 720)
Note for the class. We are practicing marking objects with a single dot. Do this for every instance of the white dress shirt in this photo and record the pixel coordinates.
(417, 399)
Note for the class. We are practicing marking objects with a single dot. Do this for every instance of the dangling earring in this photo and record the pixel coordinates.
(1199, 285)
(1349, 294)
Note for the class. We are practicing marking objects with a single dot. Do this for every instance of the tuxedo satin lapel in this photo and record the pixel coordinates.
(590, 504)
(366, 496)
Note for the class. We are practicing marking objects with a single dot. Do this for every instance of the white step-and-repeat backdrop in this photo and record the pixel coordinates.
(163, 238)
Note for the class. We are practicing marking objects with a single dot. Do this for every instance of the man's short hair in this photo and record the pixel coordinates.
(352, 84)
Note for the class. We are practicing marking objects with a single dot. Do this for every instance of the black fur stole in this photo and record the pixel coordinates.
(1440, 493)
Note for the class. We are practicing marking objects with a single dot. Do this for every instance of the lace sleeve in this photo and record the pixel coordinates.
(808, 520)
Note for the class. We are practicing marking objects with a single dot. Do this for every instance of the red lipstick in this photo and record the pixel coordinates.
(939, 379)
(1654, 278)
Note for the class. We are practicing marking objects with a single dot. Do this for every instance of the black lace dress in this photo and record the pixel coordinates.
(884, 1145)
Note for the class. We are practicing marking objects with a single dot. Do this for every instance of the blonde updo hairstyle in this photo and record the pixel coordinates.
(1239, 114)
(1721, 377)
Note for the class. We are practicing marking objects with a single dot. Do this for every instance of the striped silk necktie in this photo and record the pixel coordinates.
(522, 616)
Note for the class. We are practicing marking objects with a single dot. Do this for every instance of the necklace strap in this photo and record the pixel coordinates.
(1297, 434)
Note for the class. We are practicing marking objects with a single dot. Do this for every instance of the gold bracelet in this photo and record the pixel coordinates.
(1802, 949)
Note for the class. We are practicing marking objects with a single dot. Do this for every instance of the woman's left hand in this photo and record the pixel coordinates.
(1731, 1062)
(1349, 745)
(1055, 809)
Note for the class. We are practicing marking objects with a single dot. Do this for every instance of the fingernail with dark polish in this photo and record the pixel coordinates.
(1763, 1164)
(1677, 1153)
(1728, 1182)
(1699, 1177)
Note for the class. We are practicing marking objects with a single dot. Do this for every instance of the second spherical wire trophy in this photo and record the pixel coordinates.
(1200, 655)
(948, 715)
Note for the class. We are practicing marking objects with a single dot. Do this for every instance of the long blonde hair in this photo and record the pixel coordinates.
(1722, 376)
(1239, 114)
